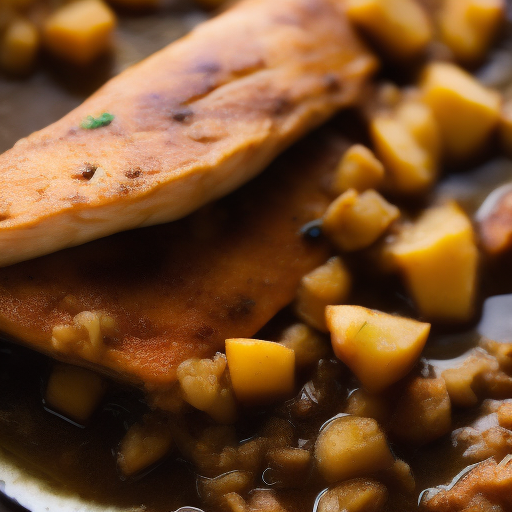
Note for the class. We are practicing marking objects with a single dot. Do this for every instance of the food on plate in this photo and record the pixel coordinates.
(306, 343)
(186, 126)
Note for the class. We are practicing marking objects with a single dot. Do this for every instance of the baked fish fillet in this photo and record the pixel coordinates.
(190, 124)
(138, 303)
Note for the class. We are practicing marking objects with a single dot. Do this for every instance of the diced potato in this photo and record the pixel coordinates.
(261, 371)
(143, 445)
(328, 284)
(466, 112)
(411, 168)
(349, 446)
(354, 221)
(309, 346)
(287, 467)
(213, 490)
(460, 381)
(402, 475)
(358, 495)
(358, 169)
(79, 31)
(438, 257)
(206, 387)
(468, 27)
(19, 45)
(74, 392)
(368, 405)
(379, 348)
(400, 26)
(419, 119)
(423, 412)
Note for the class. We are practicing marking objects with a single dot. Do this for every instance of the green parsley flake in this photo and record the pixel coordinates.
(91, 123)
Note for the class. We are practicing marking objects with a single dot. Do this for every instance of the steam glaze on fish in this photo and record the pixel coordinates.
(186, 126)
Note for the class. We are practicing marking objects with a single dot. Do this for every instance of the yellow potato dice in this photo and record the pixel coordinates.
(466, 112)
(379, 348)
(358, 169)
(400, 26)
(350, 446)
(74, 392)
(410, 167)
(358, 495)
(438, 257)
(327, 284)
(18, 47)
(354, 221)
(79, 31)
(261, 371)
(468, 27)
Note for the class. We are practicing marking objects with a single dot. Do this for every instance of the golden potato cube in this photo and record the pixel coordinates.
(468, 27)
(143, 445)
(309, 346)
(74, 392)
(328, 284)
(362, 403)
(438, 256)
(79, 31)
(419, 120)
(18, 47)
(410, 167)
(379, 348)
(354, 221)
(401, 26)
(358, 495)
(261, 371)
(466, 112)
(349, 446)
(358, 169)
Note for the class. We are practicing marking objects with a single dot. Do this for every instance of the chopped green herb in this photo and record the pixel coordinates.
(91, 123)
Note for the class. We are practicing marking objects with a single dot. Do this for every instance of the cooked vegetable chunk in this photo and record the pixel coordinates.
(468, 26)
(400, 26)
(309, 346)
(438, 256)
(261, 371)
(191, 123)
(358, 169)
(359, 495)
(328, 284)
(18, 46)
(379, 348)
(354, 221)
(466, 111)
(349, 446)
(74, 392)
(79, 31)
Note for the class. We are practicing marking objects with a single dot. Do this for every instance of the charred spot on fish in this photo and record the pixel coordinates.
(282, 106)
(133, 173)
(123, 189)
(182, 115)
(86, 172)
(207, 67)
(204, 332)
(332, 83)
(4, 216)
(241, 308)
(312, 230)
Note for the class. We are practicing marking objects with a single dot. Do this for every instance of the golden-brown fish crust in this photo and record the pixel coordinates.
(191, 123)
(177, 290)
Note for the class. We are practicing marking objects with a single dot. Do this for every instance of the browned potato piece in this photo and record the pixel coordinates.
(328, 284)
(359, 495)
(423, 411)
(438, 256)
(400, 26)
(19, 45)
(358, 169)
(354, 221)
(468, 27)
(309, 346)
(379, 348)
(368, 405)
(349, 446)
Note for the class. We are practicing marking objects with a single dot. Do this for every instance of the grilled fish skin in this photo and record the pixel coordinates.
(180, 289)
(191, 123)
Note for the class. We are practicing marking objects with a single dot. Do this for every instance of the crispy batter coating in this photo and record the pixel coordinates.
(190, 124)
